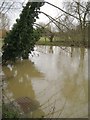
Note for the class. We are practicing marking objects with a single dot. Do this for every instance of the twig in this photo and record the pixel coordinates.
(62, 109)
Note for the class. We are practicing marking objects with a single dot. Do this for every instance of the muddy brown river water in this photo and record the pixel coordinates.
(56, 77)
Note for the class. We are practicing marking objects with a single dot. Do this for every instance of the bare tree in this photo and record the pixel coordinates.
(10, 8)
(4, 21)
(75, 13)
(80, 9)
(47, 30)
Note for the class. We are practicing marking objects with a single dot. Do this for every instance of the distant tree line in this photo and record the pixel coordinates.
(72, 23)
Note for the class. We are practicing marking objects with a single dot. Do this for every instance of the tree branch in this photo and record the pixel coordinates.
(61, 10)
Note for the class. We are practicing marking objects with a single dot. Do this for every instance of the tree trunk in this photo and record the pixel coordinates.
(51, 38)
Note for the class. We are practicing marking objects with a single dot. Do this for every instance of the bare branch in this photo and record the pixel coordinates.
(2, 5)
(61, 10)
(9, 8)
(53, 20)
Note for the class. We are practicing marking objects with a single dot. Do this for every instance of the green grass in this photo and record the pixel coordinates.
(1, 43)
(43, 39)
(9, 111)
(60, 42)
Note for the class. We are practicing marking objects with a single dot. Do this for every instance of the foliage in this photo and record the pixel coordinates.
(21, 39)
(9, 111)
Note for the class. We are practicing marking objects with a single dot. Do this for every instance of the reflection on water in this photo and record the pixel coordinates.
(57, 77)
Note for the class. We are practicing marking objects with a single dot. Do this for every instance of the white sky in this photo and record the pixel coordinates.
(48, 9)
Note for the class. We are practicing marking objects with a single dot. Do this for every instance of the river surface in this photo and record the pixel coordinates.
(56, 77)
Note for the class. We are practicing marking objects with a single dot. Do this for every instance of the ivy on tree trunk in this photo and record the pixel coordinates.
(20, 41)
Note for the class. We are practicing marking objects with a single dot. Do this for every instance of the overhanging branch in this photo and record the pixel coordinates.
(61, 10)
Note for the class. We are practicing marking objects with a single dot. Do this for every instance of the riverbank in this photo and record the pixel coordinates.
(0, 43)
(62, 43)
(10, 109)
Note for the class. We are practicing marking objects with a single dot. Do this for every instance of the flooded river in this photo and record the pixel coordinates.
(56, 77)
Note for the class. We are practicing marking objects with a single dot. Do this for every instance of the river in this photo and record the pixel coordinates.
(56, 77)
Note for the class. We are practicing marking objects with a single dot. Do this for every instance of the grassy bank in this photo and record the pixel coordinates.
(67, 43)
(0, 43)
(9, 111)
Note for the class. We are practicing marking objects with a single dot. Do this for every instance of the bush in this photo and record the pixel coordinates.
(10, 111)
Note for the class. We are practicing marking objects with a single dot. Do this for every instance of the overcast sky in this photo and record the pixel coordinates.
(50, 10)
